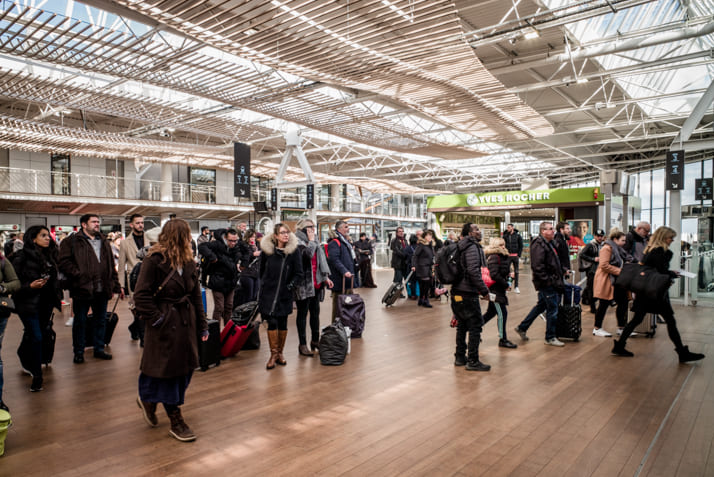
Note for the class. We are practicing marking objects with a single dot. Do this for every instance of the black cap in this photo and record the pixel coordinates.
(600, 232)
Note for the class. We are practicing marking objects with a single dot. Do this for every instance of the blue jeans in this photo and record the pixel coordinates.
(81, 309)
(468, 315)
(399, 275)
(3, 324)
(548, 299)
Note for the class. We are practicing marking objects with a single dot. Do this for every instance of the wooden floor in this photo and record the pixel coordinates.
(397, 406)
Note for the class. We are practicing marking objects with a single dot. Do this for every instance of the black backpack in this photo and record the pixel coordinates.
(134, 276)
(447, 264)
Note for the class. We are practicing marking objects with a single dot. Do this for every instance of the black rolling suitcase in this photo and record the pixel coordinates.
(394, 291)
(570, 324)
(209, 352)
(109, 327)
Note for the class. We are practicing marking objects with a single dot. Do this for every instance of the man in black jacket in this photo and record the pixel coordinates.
(399, 256)
(589, 260)
(87, 261)
(223, 255)
(637, 239)
(561, 246)
(548, 281)
(465, 296)
(514, 245)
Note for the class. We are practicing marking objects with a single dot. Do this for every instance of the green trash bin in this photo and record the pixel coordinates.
(5, 423)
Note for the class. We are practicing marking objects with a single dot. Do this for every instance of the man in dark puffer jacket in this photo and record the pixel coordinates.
(223, 254)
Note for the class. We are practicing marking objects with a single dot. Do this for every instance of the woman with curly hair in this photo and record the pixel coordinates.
(168, 299)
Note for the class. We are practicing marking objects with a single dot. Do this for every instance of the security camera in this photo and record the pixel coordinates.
(164, 133)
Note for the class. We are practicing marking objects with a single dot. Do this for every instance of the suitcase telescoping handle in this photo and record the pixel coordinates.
(411, 272)
(572, 290)
(352, 282)
(114, 308)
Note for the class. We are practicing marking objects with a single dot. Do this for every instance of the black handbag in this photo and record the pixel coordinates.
(7, 306)
(644, 281)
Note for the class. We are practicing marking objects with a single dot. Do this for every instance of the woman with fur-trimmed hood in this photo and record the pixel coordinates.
(280, 273)
(499, 268)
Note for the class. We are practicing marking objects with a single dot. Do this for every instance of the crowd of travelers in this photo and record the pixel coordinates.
(163, 272)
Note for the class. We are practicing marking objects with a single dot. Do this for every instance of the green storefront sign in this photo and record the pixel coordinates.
(580, 197)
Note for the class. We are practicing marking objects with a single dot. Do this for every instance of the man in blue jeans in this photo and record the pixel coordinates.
(548, 281)
(86, 259)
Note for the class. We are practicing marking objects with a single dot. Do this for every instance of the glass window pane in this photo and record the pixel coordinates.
(645, 187)
(692, 171)
(657, 218)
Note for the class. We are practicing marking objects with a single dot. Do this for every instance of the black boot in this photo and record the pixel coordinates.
(459, 360)
(686, 356)
(477, 366)
(426, 303)
(618, 349)
(504, 343)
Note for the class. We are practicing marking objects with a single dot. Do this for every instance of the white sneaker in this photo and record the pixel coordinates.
(554, 342)
(69, 322)
(542, 317)
(619, 332)
(516, 290)
(602, 332)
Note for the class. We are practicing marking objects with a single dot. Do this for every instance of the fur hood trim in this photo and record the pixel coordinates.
(268, 246)
(495, 251)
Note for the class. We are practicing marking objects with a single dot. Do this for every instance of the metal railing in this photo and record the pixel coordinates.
(32, 181)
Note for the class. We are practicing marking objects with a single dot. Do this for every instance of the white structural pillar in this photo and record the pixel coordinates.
(675, 197)
(166, 183)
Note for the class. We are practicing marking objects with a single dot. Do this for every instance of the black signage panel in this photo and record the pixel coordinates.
(703, 189)
(241, 170)
(674, 170)
(310, 195)
(274, 198)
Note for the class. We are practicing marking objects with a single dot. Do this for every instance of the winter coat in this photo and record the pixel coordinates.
(423, 261)
(472, 259)
(223, 268)
(635, 245)
(545, 265)
(307, 249)
(280, 274)
(587, 256)
(514, 242)
(171, 344)
(499, 268)
(399, 254)
(563, 250)
(8, 279)
(127, 260)
(82, 270)
(609, 265)
(251, 268)
(659, 259)
(362, 246)
(340, 261)
(30, 264)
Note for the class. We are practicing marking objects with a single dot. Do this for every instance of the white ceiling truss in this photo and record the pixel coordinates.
(418, 95)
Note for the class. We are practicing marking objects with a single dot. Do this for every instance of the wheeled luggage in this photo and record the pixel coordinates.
(242, 317)
(49, 337)
(351, 311)
(333, 344)
(111, 323)
(648, 327)
(570, 324)
(234, 335)
(209, 351)
(394, 292)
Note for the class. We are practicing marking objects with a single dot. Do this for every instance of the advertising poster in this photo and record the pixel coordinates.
(581, 232)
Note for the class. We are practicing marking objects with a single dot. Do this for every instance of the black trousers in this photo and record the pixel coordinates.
(513, 261)
(667, 315)
(622, 301)
(469, 320)
(311, 305)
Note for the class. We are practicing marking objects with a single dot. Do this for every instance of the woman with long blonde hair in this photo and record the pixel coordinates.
(500, 269)
(168, 299)
(657, 255)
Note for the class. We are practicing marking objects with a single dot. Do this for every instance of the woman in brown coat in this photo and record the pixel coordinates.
(168, 299)
(611, 258)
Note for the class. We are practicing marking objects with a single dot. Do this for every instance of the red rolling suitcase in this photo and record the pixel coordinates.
(234, 335)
